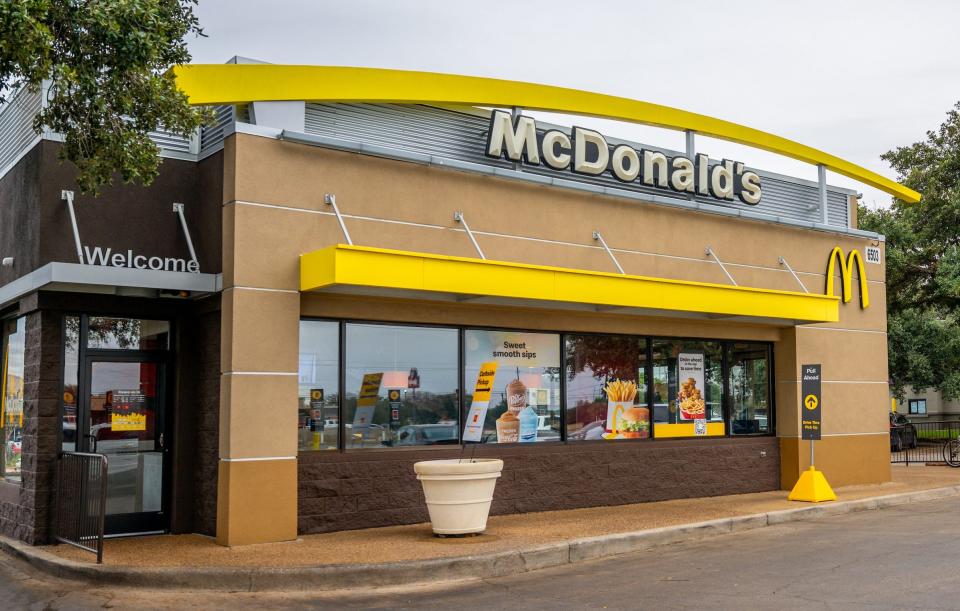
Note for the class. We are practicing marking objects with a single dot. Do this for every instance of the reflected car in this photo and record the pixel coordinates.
(427, 435)
(903, 434)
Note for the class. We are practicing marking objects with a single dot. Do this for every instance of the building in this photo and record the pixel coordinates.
(302, 305)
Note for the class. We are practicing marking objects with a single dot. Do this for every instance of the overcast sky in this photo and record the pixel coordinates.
(854, 79)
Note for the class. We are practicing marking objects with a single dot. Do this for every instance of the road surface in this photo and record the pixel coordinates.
(897, 558)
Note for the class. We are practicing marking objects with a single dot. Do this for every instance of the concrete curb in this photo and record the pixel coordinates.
(349, 576)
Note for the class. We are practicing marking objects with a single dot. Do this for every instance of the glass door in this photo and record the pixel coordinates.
(123, 418)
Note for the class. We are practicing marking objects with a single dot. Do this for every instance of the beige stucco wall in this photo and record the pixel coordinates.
(274, 211)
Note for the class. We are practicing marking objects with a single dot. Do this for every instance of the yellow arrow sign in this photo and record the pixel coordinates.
(811, 402)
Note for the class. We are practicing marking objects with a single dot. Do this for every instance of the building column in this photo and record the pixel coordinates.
(855, 443)
(257, 484)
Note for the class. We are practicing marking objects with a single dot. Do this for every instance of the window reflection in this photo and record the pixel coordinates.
(11, 408)
(687, 388)
(524, 399)
(749, 389)
(105, 333)
(606, 387)
(401, 386)
(319, 385)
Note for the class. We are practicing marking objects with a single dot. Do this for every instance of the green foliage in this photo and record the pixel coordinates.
(107, 62)
(923, 263)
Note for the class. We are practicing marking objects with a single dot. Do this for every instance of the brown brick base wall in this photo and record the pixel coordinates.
(379, 488)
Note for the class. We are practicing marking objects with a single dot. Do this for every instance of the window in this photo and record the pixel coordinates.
(71, 390)
(401, 386)
(749, 383)
(917, 406)
(127, 334)
(512, 383)
(606, 387)
(319, 385)
(687, 388)
(11, 409)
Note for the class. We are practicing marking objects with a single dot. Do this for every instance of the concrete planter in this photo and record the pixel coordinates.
(458, 493)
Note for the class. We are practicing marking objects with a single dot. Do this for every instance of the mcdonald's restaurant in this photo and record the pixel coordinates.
(311, 295)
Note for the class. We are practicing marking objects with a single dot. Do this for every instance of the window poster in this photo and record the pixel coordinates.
(690, 401)
(515, 373)
(367, 400)
(127, 410)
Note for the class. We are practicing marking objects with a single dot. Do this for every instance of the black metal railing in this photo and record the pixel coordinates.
(82, 500)
(921, 442)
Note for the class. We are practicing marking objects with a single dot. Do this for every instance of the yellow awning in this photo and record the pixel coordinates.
(382, 272)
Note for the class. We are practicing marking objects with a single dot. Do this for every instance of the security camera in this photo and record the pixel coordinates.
(7, 262)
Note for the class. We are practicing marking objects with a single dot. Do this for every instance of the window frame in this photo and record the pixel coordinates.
(4, 362)
(461, 329)
(916, 402)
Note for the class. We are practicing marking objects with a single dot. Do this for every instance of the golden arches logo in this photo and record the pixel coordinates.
(846, 275)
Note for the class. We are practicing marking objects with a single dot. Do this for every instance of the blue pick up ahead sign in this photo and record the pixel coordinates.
(811, 404)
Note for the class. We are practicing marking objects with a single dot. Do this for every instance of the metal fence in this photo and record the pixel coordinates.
(921, 442)
(82, 500)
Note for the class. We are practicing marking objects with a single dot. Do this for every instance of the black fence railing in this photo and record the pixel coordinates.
(921, 442)
(82, 500)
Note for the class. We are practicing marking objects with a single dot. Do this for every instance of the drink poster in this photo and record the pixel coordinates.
(367, 400)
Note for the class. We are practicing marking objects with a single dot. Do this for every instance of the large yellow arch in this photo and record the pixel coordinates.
(242, 83)
(846, 275)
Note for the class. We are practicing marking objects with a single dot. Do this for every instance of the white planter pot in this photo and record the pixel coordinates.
(458, 493)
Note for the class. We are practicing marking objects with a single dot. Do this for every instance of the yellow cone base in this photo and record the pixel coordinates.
(812, 487)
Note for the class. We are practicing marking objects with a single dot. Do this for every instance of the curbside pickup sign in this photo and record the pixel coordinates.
(810, 403)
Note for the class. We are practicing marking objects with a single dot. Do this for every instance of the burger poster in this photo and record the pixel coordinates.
(690, 402)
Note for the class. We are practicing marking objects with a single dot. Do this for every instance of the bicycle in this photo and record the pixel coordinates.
(951, 452)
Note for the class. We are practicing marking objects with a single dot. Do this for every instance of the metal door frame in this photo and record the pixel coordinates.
(131, 523)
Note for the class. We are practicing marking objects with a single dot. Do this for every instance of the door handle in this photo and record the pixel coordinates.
(93, 446)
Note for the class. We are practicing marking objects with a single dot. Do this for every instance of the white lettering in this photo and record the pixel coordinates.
(520, 141)
(172, 264)
(627, 172)
(750, 188)
(681, 178)
(651, 159)
(106, 256)
(582, 139)
(555, 149)
(97, 256)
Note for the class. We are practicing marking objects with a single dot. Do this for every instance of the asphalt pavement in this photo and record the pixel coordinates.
(904, 557)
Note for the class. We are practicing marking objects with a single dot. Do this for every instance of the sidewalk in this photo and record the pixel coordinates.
(406, 554)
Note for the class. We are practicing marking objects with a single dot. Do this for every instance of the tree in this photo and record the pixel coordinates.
(923, 263)
(107, 62)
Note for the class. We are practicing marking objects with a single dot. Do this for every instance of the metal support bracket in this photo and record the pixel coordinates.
(331, 199)
(784, 263)
(67, 196)
(822, 184)
(458, 217)
(178, 208)
(709, 252)
(599, 238)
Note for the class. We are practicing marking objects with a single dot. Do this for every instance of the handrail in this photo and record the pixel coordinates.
(82, 501)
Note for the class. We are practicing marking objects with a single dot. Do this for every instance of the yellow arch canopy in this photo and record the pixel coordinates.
(242, 83)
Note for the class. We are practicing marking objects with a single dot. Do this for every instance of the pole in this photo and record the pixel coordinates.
(811, 452)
